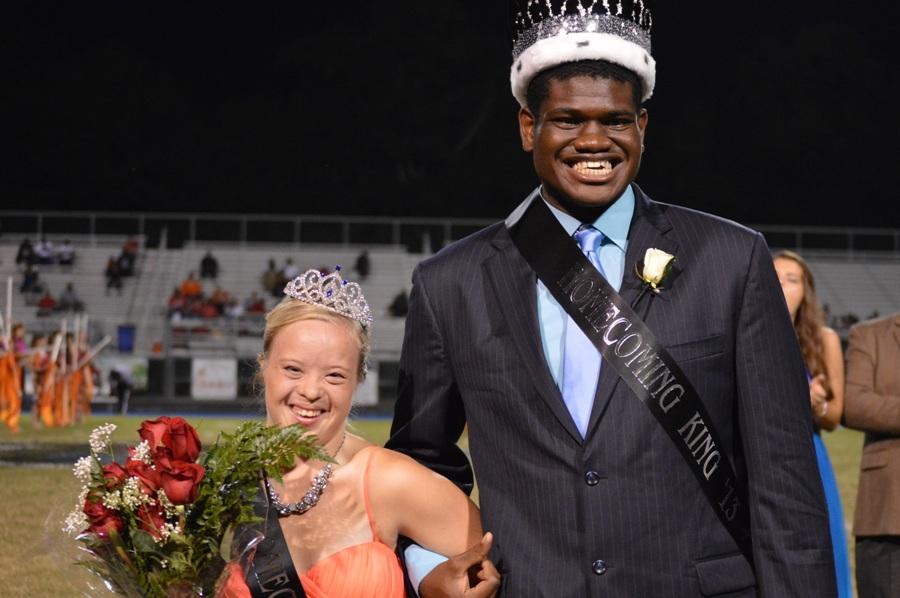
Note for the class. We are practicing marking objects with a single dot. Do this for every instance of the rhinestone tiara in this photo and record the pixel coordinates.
(333, 293)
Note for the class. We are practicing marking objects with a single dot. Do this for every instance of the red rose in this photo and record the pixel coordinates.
(152, 519)
(148, 477)
(181, 482)
(162, 458)
(102, 519)
(153, 431)
(114, 475)
(182, 438)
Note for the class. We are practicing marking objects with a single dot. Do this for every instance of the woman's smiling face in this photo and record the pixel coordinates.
(310, 374)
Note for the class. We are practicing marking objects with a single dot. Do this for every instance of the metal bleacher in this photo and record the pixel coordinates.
(106, 311)
(144, 296)
(860, 286)
(240, 269)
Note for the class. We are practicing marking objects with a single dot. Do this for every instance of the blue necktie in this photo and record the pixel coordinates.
(581, 360)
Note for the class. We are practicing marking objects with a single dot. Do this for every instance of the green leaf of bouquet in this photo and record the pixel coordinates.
(144, 542)
(226, 544)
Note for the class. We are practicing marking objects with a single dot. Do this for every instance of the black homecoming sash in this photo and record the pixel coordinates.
(272, 573)
(631, 348)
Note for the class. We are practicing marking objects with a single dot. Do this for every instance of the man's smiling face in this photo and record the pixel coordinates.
(586, 141)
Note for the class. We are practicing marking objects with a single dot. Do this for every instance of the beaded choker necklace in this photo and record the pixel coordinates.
(311, 498)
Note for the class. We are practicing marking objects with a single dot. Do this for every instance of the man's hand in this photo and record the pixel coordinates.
(469, 575)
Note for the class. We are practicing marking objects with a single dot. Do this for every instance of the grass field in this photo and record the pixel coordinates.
(36, 558)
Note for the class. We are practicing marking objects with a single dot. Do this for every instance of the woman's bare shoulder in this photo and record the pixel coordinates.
(355, 450)
(829, 337)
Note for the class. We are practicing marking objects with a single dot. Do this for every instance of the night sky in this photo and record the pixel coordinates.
(764, 112)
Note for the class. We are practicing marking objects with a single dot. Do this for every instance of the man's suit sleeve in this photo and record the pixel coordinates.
(788, 516)
(429, 416)
(864, 408)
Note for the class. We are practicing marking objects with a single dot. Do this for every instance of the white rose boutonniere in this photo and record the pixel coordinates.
(657, 264)
(653, 272)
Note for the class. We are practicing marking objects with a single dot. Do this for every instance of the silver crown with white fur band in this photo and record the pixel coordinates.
(552, 32)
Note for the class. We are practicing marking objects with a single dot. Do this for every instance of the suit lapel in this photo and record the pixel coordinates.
(514, 285)
(649, 228)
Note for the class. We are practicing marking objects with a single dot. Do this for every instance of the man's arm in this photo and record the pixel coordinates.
(788, 516)
(429, 416)
(865, 409)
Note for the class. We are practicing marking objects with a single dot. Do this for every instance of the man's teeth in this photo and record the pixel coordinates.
(595, 167)
(307, 412)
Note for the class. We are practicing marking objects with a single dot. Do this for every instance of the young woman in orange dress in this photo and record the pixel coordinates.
(338, 524)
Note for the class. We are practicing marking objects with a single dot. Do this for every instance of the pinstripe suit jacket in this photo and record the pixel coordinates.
(472, 355)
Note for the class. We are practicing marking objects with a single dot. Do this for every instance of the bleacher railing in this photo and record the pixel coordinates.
(415, 234)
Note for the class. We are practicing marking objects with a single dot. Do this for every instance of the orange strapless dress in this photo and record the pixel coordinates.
(367, 570)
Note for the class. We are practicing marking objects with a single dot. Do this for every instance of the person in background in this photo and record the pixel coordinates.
(289, 271)
(65, 254)
(209, 266)
(399, 306)
(121, 385)
(38, 363)
(25, 254)
(363, 264)
(128, 257)
(219, 299)
(177, 303)
(19, 343)
(12, 358)
(30, 280)
(191, 287)
(824, 362)
(270, 279)
(872, 405)
(255, 304)
(69, 299)
(113, 274)
(44, 252)
(46, 305)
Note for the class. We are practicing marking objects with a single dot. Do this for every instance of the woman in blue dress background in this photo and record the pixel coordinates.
(824, 361)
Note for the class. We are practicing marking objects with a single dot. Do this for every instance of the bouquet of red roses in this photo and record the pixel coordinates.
(162, 522)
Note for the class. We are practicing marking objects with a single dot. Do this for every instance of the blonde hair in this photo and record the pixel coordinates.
(291, 310)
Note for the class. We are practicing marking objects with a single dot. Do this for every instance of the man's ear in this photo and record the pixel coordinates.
(642, 119)
(527, 122)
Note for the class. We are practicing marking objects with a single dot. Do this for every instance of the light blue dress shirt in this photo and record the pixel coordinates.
(614, 224)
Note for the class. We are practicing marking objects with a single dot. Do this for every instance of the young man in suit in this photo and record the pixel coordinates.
(872, 404)
(586, 491)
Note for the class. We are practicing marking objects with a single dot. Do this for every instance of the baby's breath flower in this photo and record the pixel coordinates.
(167, 530)
(83, 469)
(132, 497)
(142, 453)
(76, 521)
(99, 439)
(113, 500)
(166, 504)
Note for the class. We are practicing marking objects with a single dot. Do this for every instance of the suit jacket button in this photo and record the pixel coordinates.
(592, 478)
(599, 567)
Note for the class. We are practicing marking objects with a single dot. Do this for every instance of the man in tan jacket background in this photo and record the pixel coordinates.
(872, 405)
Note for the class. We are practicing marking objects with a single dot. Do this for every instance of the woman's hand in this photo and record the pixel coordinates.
(469, 575)
(818, 396)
